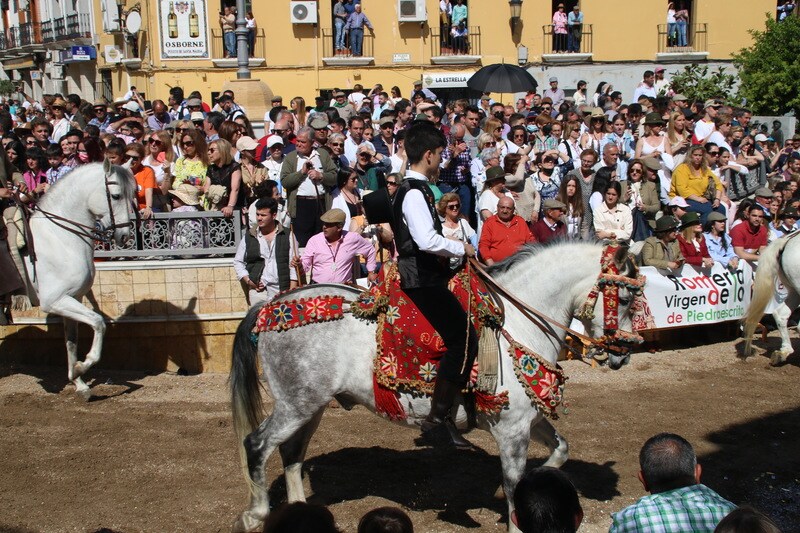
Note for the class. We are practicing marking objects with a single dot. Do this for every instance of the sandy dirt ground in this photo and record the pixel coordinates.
(156, 453)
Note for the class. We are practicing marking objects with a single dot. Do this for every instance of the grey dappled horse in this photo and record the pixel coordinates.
(308, 366)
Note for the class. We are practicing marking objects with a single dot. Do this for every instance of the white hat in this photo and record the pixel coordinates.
(678, 201)
(131, 106)
(273, 140)
(196, 116)
(246, 143)
(187, 193)
(761, 138)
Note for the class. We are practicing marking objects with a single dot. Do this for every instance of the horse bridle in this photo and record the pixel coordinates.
(93, 233)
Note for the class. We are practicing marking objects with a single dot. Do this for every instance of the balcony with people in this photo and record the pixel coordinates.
(225, 43)
(568, 39)
(682, 41)
(455, 45)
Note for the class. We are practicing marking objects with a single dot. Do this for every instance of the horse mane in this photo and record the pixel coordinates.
(90, 171)
(531, 250)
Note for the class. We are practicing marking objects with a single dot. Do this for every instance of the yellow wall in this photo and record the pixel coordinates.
(623, 31)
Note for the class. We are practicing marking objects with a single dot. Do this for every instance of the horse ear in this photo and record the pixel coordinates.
(621, 256)
(106, 165)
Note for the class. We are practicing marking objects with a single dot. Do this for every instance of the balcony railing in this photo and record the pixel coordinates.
(329, 50)
(447, 45)
(30, 33)
(672, 39)
(48, 33)
(572, 42)
(12, 36)
(218, 44)
(190, 234)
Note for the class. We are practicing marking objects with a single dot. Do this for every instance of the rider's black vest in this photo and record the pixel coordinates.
(417, 268)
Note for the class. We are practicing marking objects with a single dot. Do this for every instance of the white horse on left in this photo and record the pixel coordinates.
(91, 201)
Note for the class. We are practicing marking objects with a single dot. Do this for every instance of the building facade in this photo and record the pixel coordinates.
(99, 48)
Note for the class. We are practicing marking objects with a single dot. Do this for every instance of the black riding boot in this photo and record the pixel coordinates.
(438, 428)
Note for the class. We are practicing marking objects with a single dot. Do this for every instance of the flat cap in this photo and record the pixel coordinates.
(652, 163)
(333, 216)
(319, 122)
(276, 99)
(194, 102)
(678, 97)
(764, 192)
(552, 203)
(716, 217)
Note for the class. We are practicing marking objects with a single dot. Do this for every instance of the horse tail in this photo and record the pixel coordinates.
(246, 402)
(763, 289)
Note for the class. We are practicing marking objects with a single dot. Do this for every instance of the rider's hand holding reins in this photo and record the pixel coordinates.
(469, 250)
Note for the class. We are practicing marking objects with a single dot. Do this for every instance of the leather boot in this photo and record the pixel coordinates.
(438, 428)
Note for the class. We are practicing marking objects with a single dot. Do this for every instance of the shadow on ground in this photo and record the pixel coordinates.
(428, 479)
(757, 463)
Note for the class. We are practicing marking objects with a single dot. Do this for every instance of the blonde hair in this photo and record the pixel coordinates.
(224, 149)
(484, 138)
(672, 135)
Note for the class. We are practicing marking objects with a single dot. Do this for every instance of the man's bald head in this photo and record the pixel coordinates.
(505, 208)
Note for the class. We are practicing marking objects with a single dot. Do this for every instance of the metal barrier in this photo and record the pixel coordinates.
(174, 235)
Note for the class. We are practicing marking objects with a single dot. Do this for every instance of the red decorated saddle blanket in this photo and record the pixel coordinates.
(409, 349)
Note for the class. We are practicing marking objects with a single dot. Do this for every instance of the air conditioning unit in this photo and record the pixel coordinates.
(411, 11)
(304, 12)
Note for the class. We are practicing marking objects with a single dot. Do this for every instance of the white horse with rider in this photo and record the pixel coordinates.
(308, 366)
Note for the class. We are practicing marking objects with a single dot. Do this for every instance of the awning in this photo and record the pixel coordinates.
(19, 63)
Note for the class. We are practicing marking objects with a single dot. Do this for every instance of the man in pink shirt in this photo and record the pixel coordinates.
(329, 255)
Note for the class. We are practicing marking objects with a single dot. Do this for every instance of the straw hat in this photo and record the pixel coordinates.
(596, 113)
(187, 193)
(59, 102)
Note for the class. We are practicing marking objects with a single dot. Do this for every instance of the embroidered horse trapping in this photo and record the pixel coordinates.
(409, 349)
(543, 382)
(281, 316)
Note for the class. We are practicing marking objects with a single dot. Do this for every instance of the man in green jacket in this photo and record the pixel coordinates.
(308, 176)
(662, 250)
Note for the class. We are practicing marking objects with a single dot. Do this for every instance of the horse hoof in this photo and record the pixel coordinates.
(777, 359)
(84, 394)
(247, 524)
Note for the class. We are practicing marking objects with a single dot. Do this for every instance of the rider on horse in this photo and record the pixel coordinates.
(424, 273)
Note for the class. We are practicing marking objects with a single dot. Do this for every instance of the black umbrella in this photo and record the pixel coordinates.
(502, 78)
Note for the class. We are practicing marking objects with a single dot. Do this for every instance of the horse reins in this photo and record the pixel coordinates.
(544, 322)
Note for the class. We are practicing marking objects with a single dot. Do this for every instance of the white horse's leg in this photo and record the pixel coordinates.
(781, 316)
(71, 341)
(544, 432)
(293, 452)
(513, 440)
(70, 308)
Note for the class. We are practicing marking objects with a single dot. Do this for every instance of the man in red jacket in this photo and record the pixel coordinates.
(503, 234)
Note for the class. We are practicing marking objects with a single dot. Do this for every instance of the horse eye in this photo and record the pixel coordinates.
(116, 196)
(624, 301)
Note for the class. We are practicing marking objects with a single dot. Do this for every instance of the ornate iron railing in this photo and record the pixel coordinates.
(218, 44)
(192, 234)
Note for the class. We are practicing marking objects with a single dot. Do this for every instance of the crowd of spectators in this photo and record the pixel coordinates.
(547, 168)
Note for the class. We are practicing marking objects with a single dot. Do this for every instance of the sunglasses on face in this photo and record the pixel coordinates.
(154, 141)
(548, 160)
(636, 171)
(491, 144)
(133, 157)
(181, 130)
(454, 207)
(188, 143)
(391, 184)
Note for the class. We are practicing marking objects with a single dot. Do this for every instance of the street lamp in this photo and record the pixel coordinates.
(516, 13)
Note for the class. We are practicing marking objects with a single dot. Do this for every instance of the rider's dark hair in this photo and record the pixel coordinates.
(385, 520)
(545, 500)
(423, 137)
(667, 462)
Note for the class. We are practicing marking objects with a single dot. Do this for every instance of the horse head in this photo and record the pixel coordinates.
(111, 204)
(606, 315)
